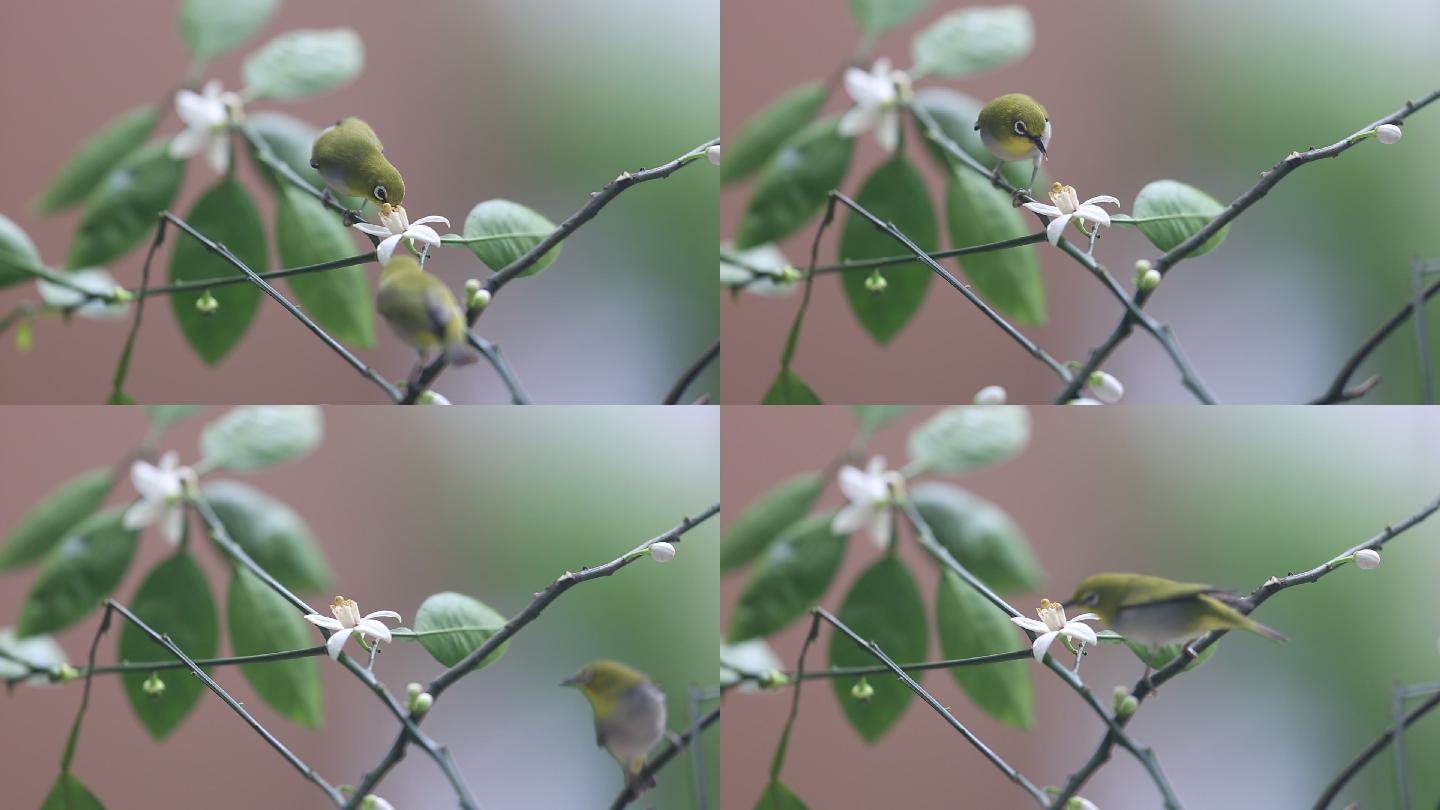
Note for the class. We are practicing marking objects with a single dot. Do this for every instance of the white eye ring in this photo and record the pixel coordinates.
(1019, 127)
(380, 193)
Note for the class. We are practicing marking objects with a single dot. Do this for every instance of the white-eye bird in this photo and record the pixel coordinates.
(351, 160)
(1154, 611)
(422, 311)
(1014, 127)
(629, 714)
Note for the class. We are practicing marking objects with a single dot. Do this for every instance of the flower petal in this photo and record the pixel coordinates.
(1094, 213)
(858, 120)
(1103, 198)
(860, 85)
(1030, 624)
(1042, 208)
(217, 152)
(373, 230)
(141, 514)
(173, 523)
(1080, 632)
(148, 480)
(880, 525)
(336, 642)
(860, 486)
(1042, 644)
(375, 629)
(386, 249)
(324, 621)
(423, 233)
(1056, 228)
(432, 218)
(850, 518)
(887, 130)
(383, 614)
(1085, 617)
(192, 108)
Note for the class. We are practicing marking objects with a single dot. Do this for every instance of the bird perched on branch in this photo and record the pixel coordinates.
(352, 162)
(422, 311)
(629, 714)
(1014, 127)
(1154, 611)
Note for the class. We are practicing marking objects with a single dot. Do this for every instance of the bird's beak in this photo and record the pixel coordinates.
(1039, 144)
(570, 681)
(1068, 603)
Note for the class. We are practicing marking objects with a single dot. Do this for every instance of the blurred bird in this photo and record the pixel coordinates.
(422, 311)
(1014, 127)
(350, 158)
(1154, 611)
(629, 714)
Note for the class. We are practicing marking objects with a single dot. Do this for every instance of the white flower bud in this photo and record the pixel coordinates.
(662, 552)
(1387, 133)
(862, 691)
(413, 690)
(990, 395)
(1079, 803)
(713, 154)
(422, 703)
(1084, 401)
(373, 802)
(472, 286)
(1106, 388)
(1148, 280)
(478, 300)
(1142, 267)
(1367, 558)
(433, 398)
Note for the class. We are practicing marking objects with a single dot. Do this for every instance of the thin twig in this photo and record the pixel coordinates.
(772, 274)
(1422, 335)
(688, 376)
(209, 283)
(669, 752)
(122, 366)
(1370, 752)
(491, 352)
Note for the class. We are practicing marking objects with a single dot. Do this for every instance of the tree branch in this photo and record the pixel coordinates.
(1340, 390)
(1371, 751)
(672, 397)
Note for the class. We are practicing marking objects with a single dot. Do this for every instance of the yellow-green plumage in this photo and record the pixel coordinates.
(422, 311)
(351, 160)
(629, 712)
(1155, 611)
(1014, 127)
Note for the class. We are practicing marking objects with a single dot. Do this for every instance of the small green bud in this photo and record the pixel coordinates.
(64, 673)
(1142, 267)
(422, 703)
(875, 282)
(774, 679)
(789, 275)
(412, 691)
(23, 336)
(1127, 706)
(1121, 692)
(120, 295)
(153, 686)
(862, 691)
(477, 300)
(1148, 280)
(206, 304)
(472, 286)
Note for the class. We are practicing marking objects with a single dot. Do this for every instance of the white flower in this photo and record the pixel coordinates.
(662, 552)
(1067, 206)
(348, 620)
(1106, 388)
(871, 492)
(373, 802)
(990, 395)
(395, 225)
(162, 496)
(876, 95)
(1084, 401)
(1367, 558)
(433, 398)
(1080, 803)
(206, 118)
(93, 280)
(781, 280)
(713, 154)
(1387, 133)
(1053, 624)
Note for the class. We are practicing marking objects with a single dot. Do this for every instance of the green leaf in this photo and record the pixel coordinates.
(100, 153)
(788, 580)
(955, 115)
(1159, 657)
(1009, 280)
(57, 513)
(967, 437)
(228, 216)
(1171, 197)
(896, 194)
(174, 600)
(875, 17)
(253, 436)
(779, 797)
(304, 62)
(338, 300)
(70, 794)
(789, 389)
(448, 610)
(973, 39)
(291, 140)
(979, 535)
(261, 621)
(770, 515)
(874, 417)
(212, 27)
(78, 573)
(507, 231)
(124, 208)
(793, 185)
(271, 533)
(969, 626)
(883, 606)
(164, 416)
(19, 260)
(768, 129)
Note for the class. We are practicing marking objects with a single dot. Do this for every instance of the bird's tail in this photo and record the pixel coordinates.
(1268, 632)
(460, 354)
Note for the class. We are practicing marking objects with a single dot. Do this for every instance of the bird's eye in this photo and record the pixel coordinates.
(1020, 128)
(1091, 599)
(380, 193)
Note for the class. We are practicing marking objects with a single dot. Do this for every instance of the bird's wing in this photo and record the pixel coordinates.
(441, 307)
(1156, 591)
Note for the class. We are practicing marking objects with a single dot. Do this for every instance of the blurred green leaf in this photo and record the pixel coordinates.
(874, 417)
(173, 600)
(448, 610)
(979, 535)
(123, 209)
(955, 114)
(261, 621)
(768, 129)
(227, 216)
(883, 606)
(896, 194)
(788, 580)
(70, 794)
(973, 39)
(212, 27)
(1009, 280)
(792, 186)
(78, 573)
(969, 626)
(767, 518)
(875, 17)
(1159, 657)
(789, 389)
(164, 416)
(304, 62)
(967, 437)
(508, 230)
(338, 300)
(1171, 197)
(779, 797)
(97, 156)
(18, 257)
(253, 436)
(271, 533)
(291, 140)
(57, 513)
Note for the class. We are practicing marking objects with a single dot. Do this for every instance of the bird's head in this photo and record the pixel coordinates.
(1100, 594)
(1017, 123)
(604, 682)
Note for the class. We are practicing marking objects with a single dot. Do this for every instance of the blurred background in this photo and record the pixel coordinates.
(1234, 497)
(542, 103)
(492, 503)
(1210, 94)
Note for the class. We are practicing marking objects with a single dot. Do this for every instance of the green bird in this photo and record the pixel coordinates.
(629, 713)
(351, 160)
(1014, 127)
(1154, 611)
(422, 311)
